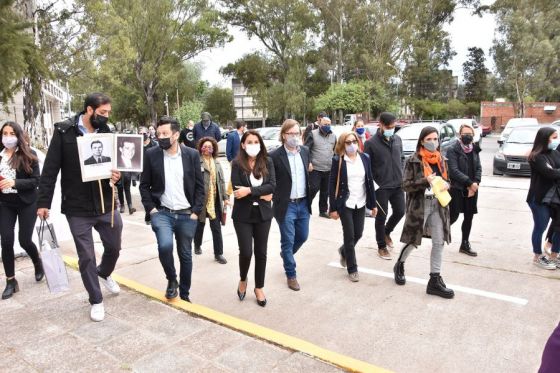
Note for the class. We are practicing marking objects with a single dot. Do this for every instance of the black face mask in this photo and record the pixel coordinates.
(165, 143)
(466, 139)
(98, 121)
(146, 136)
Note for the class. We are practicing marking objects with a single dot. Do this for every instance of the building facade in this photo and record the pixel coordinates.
(497, 113)
(245, 105)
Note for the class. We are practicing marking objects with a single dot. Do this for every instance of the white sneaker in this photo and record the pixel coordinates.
(110, 284)
(545, 263)
(97, 312)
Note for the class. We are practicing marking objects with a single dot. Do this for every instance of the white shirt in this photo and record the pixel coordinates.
(6, 171)
(256, 183)
(173, 196)
(356, 174)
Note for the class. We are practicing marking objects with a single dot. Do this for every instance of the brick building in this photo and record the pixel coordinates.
(497, 114)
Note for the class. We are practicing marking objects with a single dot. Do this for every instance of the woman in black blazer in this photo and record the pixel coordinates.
(253, 180)
(351, 190)
(19, 178)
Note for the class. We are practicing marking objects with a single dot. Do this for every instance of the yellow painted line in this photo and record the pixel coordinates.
(247, 327)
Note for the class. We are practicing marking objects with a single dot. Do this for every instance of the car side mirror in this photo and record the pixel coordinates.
(445, 139)
(501, 142)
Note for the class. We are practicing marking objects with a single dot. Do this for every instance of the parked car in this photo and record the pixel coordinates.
(486, 129)
(223, 142)
(511, 157)
(516, 122)
(457, 123)
(271, 137)
(410, 134)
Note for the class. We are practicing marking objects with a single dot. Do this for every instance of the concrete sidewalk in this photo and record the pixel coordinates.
(46, 332)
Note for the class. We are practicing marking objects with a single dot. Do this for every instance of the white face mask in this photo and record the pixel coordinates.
(253, 149)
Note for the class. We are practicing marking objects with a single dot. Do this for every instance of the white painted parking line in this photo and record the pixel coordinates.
(461, 289)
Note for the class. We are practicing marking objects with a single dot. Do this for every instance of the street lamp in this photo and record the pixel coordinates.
(398, 72)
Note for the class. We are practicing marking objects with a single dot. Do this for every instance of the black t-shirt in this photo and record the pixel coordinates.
(186, 137)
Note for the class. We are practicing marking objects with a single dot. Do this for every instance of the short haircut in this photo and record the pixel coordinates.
(340, 148)
(95, 142)
(175, 127)
(286, 126)
(214, 145)
(122, 140)
(387, 118)
(239, 124)
(466, 126)
(322, 114)
(95, 100)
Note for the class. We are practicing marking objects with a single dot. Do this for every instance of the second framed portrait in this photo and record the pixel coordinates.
(129, 152)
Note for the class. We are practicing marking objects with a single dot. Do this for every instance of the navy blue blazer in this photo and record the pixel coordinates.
(281, 196)
(232, 145)
(338, 203)
(152, 182)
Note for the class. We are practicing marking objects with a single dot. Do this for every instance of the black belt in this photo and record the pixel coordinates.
(429, 196)
(182, 211)
(297, 200)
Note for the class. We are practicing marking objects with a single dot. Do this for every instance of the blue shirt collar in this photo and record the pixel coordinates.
(81, 126)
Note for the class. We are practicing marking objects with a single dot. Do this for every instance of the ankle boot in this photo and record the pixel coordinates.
(11, 288)
(398, 270)
(131, 210)
(39, 272)
(436, 286)
(121, 209)
(466, 249)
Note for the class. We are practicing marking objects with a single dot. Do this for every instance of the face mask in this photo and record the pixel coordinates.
(9, 142)
(389, 133)
(97, 121)
(293, 142)
(253, 149)
(207, 151)
(466, 139)
(326, 128)
(431, 146)
(146, 136)
(164, 143)
(553, 144)
(360, 131)
(205, 123)
(352, 148)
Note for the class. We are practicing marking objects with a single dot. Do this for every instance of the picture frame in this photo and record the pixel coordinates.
(129, 154)
(96, 153)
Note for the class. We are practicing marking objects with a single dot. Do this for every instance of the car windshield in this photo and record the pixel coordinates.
(522, 136)
(410, 132)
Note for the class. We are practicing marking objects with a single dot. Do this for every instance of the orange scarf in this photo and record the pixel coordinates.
(428, 159)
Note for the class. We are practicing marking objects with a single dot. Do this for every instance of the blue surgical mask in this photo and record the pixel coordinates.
(326, 128)
(553, 144)
(360, 131)
(389, 133)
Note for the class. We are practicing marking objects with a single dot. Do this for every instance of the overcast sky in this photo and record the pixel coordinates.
(466, 31)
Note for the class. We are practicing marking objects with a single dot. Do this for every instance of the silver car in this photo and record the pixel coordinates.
(410, 134)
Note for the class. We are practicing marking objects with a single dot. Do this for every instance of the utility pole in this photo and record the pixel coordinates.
(398, 102)
(166, 104)
(178, 106)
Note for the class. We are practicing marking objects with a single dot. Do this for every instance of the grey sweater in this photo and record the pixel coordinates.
(321, 149)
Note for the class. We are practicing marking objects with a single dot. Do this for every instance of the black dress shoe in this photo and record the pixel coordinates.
(197, 250)
(171, 291)
(121, 210)
(261, 303)
(186, 298)
(220, 259)
(398, 270)
(39, 272)
(436, 286)
(240, 294)
(466, 249)
(11, 288)
(131, 210)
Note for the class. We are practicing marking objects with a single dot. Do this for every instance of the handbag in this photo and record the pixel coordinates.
(338, 177)
(53, 265)
(552, 196)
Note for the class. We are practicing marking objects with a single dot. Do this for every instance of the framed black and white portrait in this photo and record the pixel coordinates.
(129, 152)
(96, 154)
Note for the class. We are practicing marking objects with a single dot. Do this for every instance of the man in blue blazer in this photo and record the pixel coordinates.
(172, 190)
(234, 139)
(291, 205)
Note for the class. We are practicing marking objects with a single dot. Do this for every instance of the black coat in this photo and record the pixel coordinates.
(78, 198)
(386, 157)
(26, 184)
(152, 181)
(283, 173)
(242, 207)
(545, 171)
(458, 163)
(338, 203)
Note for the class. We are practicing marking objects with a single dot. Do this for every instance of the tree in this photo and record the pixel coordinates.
(219, 103)
(189, 111)
(476, 76)
(349, 97)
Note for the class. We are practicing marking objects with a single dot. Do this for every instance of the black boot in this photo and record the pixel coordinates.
(436, 286)
(171, 291)
(197, 250)
(398, 270)
(39, 272)
(121, 210)
(466, 249)
(11, 288)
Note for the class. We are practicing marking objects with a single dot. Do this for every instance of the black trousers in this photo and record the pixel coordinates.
(352, 229)
(247, 234)
(217, 240)
(319, 183)
(384, 226)
(26, 215)
(467, 223)
(80, 227)
(123, 189)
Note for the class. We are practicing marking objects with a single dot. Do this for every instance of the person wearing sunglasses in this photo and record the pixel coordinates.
(350, 192)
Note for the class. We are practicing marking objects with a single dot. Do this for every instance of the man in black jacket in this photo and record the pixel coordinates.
(172, 190)
(206, 128)
(385, 152)
(86, 205)
(292, 207)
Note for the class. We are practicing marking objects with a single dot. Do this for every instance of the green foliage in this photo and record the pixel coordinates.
(349, 97)
(190, 110)
(219, 103)
(475, 74)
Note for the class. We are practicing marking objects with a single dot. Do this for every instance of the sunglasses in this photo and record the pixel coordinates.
(351, 142)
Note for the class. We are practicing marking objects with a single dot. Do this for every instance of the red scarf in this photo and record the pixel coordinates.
(429, 159)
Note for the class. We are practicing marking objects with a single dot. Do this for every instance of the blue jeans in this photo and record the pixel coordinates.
(164, 225)
(541, 217)
(294, 230)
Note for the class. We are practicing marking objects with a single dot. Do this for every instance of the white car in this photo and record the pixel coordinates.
(457, 123)
(271, 137)
(516, 122)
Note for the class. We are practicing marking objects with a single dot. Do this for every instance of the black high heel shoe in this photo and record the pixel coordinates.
(240, 294)
(261, 303)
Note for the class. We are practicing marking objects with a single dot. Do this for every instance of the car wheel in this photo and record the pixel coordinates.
(496, 173)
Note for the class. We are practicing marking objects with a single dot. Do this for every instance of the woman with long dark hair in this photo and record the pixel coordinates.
(19, 178)
(215, 199)
(544, 161)
(253, 180)
(424, 214)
